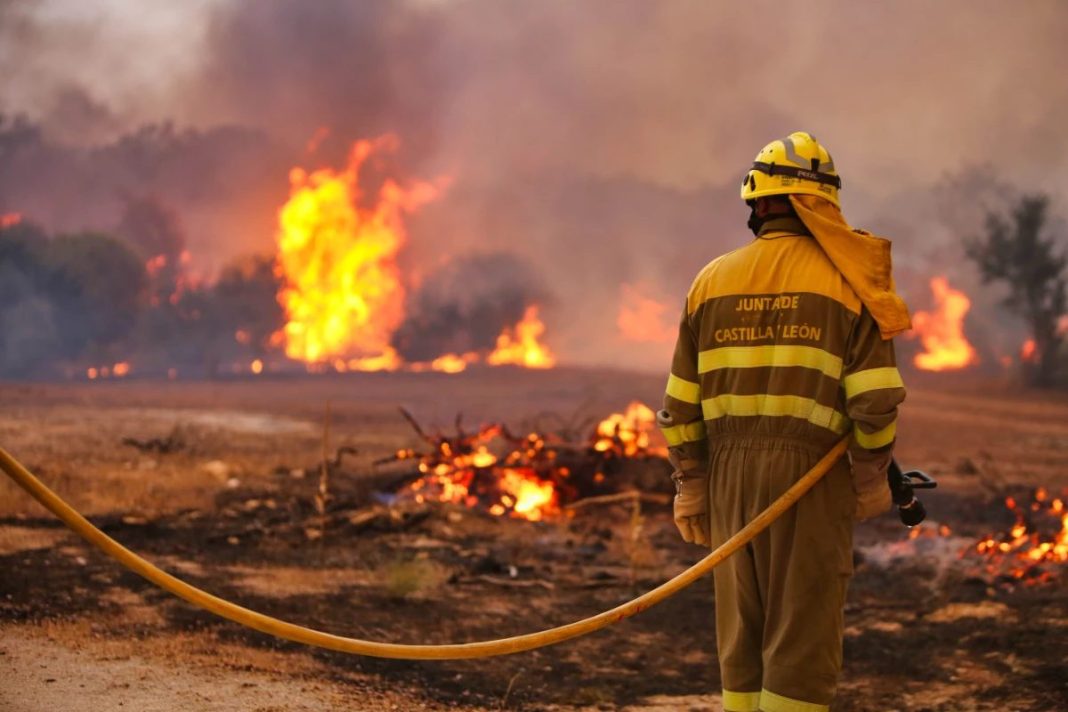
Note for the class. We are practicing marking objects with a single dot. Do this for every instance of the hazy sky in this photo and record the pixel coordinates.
(601, 141)
(673, 92)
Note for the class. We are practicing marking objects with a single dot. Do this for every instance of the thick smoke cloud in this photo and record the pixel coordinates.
(219, 179)
(598, 142)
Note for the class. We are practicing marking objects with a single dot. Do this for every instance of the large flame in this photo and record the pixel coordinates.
(942, 330)
(343, 296)
(343, 292)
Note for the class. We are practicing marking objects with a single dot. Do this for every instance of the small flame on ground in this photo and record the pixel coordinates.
(642, 318)
(1039, 536)
(521, 346)
(116, 370)
(1027, 350)
(256, 366)
(942, 331)
(449, 363)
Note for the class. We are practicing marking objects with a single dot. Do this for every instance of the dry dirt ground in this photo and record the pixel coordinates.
(228, 511)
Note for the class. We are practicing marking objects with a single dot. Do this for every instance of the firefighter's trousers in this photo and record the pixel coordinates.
(779, 601)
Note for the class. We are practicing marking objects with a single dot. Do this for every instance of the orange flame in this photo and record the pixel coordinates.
(1021, 552)
(453, 363)
(521, 477)
(534, 498)
(942, 330)
(466, 472)
(1027, 351)
(642, 318)
(117, 370)
(343, 295)
(520, 345)
(9, 219)
(627, 433)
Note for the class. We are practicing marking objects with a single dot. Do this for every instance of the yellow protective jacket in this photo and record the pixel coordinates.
(773, 341)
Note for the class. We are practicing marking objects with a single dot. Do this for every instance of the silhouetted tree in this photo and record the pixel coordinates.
(232, 321)
(64, 299)
(97, 284)
(155, 231)
(28, 333)
(1016, 250)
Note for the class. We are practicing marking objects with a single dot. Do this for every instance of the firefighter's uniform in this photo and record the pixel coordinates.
(777, 358)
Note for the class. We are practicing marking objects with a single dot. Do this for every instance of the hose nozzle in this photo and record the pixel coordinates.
(902, 489)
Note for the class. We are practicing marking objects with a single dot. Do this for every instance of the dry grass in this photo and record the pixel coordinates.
(411, 578)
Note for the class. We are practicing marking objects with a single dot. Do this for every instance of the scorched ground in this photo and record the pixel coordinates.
(219, 485)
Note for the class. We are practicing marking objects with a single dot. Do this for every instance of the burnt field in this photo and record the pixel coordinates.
(220, 483)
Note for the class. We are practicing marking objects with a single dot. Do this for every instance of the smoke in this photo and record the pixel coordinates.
(225, 182)
(463, 306)
(599, 143)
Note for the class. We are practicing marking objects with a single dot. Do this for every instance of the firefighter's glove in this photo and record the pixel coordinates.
(869, 482)
(691, 506)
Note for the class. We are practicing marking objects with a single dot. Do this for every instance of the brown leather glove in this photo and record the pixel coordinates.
(869, 482)
(691, 486)
(691, 506)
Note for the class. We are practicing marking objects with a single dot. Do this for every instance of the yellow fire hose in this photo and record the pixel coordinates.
(487, 648)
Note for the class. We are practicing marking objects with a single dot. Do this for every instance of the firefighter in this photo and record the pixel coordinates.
(785, 346)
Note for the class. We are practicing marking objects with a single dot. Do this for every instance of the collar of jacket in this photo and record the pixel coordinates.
(780, 227)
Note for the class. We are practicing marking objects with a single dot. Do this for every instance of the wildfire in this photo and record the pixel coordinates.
(9, 219)
(448, 363)
(520, 346)
(627, 433)
(642, 318)
(343, 292)
(942, 331)
(1039, 536)
(1027, 351)
(118, 370)
(527, 477)
(518, 482)
(343, 295)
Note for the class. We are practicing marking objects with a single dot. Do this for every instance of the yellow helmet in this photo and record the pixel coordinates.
(795, 164)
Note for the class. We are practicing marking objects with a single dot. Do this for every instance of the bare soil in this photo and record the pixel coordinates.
(229, 509)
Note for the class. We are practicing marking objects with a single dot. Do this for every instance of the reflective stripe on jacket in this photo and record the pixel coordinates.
(774, 342)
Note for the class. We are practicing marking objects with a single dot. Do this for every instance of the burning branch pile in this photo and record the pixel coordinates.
(530, 476)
